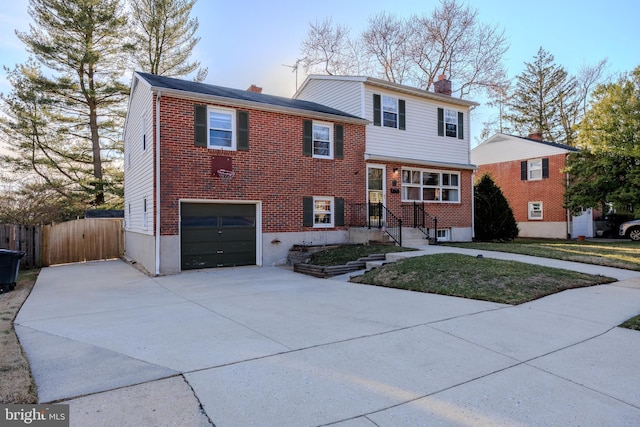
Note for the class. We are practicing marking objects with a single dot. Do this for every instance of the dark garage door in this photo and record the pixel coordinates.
(217, 235)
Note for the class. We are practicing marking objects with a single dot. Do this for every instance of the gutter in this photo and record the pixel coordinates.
(382, 158)
(157, 167)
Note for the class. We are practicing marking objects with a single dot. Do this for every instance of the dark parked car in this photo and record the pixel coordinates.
(609, 225)
(631, 230)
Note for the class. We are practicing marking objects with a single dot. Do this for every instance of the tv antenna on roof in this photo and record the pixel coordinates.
(294, 68)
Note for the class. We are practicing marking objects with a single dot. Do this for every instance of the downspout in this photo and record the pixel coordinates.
(473, 206)
(569, 236)
(157, 167)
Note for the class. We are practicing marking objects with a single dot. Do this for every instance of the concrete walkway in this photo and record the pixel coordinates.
(268, 347)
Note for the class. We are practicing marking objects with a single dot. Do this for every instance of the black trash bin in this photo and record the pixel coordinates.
(9, 266)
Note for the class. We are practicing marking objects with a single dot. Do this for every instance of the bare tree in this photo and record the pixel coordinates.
(386, 42)
(327, 49)
(451, 41)
(588, 78)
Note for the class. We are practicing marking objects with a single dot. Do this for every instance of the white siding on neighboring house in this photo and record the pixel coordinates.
(420, 140)
(139, 162)
(344, 95)
(505, 148)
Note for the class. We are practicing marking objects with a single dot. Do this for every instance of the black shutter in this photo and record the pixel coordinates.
(307, 211)
(307, 139)
(440, 122)
(377, 110)
(523, 170)
(545, 168)
(401, 115)
(339, 210)
(460, 125)
(243, 130)
(200, 125)
(338, 142)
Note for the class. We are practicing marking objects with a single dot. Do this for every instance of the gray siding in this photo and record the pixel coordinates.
(340, 94)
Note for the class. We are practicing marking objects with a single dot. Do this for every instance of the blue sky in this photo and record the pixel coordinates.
(247, 42)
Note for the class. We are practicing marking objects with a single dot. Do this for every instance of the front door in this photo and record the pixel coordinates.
(375, 193)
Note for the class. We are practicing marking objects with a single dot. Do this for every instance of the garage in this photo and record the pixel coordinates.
(217, 235)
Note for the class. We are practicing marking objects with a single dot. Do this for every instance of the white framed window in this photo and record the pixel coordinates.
(443, 234)
(430, 186)
(389, 112)
(222, 124)
(323, 212)
(322, 140)
(451, 123)
(535, 210)
(534, 169)
(144, 213)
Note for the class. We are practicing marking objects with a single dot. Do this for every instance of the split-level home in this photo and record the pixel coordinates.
(417, 155)
(530, 173)
(217, 177)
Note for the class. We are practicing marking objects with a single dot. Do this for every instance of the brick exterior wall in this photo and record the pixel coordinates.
(549, 191)
(448, 214)
(273, 171)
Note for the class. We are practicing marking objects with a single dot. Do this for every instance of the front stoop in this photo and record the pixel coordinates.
(412, 238)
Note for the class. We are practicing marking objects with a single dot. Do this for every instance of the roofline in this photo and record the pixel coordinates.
(524, 138)
(391, 86)
(235, 102)
(392, 159)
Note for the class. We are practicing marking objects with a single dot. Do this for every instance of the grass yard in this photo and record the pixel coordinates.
(633, 323)
(344, 254)
(619, 254)
(507, 282)
(16, 384)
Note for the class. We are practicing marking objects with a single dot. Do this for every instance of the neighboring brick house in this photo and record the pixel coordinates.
(417, 149)
(298, 169)
(531, 174)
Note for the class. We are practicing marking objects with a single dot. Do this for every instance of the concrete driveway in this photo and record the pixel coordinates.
(268, 347)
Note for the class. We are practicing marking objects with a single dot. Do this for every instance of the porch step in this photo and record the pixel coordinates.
(412, 238)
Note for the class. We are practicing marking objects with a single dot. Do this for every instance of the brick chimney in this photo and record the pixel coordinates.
(254, 88)
(442, 86)
(535, 135)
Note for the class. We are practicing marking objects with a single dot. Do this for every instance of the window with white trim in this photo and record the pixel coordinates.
(443, 234)
(389, 112)
(534, 169)
(535, 210)
(222, 128)
(451, 123)
(323, 214)
(430, 186)
(322, 140)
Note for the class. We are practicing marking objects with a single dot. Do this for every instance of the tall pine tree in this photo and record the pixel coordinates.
(544, 100)
(78, 48)
(164, 38)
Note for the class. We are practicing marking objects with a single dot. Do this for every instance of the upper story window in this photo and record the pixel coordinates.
(450, 123)
(221, 128)
(534, 169)
(430, 186)
(144, 133)
(389, 111)
(322, 140)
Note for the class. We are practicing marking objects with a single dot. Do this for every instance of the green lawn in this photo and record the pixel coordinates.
(618, 254)
(507, 282)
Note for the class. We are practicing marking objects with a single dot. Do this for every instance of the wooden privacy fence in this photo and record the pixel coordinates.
(24, 238)
(73, 241)
(82, 240)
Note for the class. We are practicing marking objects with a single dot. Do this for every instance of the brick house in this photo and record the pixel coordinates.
(530, 173)
(417, 152)
(297, 171)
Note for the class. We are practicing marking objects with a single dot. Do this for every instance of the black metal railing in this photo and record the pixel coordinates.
(416, 215)
(377, 215)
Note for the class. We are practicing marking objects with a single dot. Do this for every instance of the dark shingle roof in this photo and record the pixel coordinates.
(552, 144)
(243, 95)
